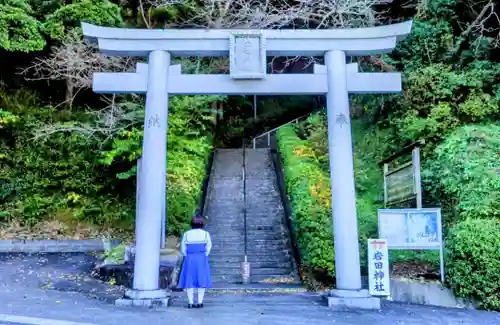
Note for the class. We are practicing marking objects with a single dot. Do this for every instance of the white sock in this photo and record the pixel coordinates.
(190, 294)
(201, 294)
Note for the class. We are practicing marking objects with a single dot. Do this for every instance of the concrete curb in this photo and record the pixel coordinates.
(433, 294)
(53, 246)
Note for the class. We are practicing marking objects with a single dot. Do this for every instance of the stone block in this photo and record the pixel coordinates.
(146, 303)
(123, 274)
(342, 300)
(50, 246)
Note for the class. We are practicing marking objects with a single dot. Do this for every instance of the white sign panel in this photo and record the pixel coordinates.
(411, 228)
(378, 267)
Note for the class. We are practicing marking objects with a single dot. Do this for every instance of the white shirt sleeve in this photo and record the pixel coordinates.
(209, 244)
(183, 244)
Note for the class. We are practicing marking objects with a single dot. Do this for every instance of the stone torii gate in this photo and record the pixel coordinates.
(247, 50)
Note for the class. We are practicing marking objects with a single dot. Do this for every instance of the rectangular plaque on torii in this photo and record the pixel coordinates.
(247, 55)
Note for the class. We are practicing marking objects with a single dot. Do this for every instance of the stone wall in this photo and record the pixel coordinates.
(52, 246)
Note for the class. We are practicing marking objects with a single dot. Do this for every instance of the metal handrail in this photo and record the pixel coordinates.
(268, 133)
(245, 203)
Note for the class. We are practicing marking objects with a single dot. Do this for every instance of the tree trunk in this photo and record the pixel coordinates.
(69, 92)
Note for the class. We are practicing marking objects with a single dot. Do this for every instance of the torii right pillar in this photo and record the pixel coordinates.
(348, 291)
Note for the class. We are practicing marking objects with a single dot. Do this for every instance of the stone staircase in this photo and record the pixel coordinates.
(224, 209)
(269, 248)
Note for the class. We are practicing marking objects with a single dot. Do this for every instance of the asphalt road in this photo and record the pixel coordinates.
(56, 290)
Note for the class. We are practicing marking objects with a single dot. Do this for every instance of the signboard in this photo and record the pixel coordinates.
(402, 183)
(412, 229)
(378, 267)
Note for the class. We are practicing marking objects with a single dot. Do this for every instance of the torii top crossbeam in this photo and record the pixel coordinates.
(214, 42)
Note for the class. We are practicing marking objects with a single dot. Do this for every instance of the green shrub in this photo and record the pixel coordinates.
(189, 145)
(306, 168)
(71, 177)
(473, 255)
(464, 168)
(309, 191)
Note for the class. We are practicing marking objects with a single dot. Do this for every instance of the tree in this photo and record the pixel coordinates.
(19, 30)
(101, 12)
(73, 59)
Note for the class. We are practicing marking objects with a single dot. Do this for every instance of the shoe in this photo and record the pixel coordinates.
(200, 305)
(191, 306)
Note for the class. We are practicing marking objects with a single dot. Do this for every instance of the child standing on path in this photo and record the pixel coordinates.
(195, 246)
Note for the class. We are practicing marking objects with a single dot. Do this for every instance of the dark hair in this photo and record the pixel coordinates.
(197, 222)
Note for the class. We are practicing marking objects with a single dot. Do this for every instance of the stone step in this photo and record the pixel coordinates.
(225, 202)
(253, 196)
(229, 221)
(258, 288)
(267, 203)
(251, 229)
(263, 192)
(225, 188)
(252, 259)
(270, 249)
(223, 210)
(234, 171)
(260, 182)
(264, 249)
(260, 251)
(254, 279)
(258, 200)
(258, 232)
(252, 245)
(253, 264)
(269, 215)
(254, 270)
(257, 178)
(219, 232)
(252, 237)
(231, 173)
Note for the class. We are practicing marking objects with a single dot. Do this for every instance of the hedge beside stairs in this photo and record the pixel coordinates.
(308, 189)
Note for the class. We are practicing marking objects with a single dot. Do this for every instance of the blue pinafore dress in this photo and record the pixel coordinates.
(195, 268)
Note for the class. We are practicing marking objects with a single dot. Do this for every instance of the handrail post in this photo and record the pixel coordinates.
(245, 265)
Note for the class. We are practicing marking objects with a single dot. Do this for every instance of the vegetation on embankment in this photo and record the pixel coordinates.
(304, 151)
(84, 184)
(451, 99)
(68, 156)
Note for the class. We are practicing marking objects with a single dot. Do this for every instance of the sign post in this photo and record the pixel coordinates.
(378, 267)
(413, 229)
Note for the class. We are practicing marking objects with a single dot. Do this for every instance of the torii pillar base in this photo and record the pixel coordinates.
(142, 298)
(345, 300)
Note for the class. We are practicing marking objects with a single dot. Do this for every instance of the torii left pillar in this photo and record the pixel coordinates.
(146, 290)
